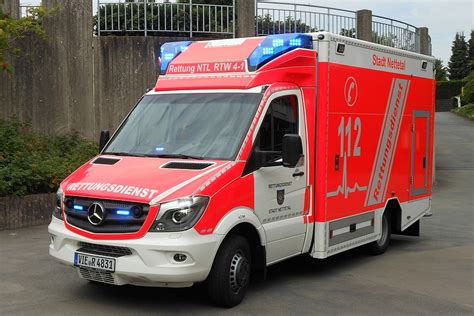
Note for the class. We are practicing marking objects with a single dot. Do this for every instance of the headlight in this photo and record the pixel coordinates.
(180, 214)
(57, 208)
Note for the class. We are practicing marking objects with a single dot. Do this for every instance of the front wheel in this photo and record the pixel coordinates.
(378, 247)
(230, 274)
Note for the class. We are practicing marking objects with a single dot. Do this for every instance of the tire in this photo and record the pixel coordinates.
(378, 247)
(230, 274)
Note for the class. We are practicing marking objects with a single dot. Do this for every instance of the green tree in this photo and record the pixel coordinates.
(387, 40)
(458, 64)
(441, 72)
(13, 30)
(471, 46)
(348, 32)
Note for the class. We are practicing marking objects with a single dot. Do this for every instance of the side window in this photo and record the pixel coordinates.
(281, 118)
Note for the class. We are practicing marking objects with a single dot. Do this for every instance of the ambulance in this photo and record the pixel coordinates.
(248, 152)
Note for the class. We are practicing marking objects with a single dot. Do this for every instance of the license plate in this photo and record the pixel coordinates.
(96, 262)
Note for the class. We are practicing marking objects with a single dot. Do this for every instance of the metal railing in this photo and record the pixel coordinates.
(394, 33)
(149, 16)
(281, 17)
(25, 10)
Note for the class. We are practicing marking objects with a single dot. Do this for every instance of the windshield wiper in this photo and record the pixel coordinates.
(122, 153)
(179, 156)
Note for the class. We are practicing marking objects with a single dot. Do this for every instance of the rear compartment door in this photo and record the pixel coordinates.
(419, 154)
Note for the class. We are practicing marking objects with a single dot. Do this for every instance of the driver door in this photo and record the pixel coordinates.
(280, 191)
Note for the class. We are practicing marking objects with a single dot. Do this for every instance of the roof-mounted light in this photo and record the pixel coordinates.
(169, 51)
(275, 45)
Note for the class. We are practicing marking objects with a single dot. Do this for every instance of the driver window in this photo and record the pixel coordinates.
(281, 118)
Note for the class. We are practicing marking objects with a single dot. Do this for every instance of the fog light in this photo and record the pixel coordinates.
(180, 257)
(69, 203)
(160, 227)
(137, 211)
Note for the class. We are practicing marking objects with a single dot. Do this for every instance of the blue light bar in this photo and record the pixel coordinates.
(276, 45)
(123, 212)
(169, 51)
(78, 207)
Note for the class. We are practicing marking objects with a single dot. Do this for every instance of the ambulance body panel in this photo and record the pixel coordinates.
(361, 116)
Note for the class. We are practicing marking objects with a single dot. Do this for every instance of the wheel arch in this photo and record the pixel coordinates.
(394, 210)
(244, 222)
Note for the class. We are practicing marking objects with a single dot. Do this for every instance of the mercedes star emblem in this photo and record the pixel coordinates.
(95, 214)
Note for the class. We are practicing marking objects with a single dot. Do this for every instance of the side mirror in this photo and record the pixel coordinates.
(292, 150)
(104, 139)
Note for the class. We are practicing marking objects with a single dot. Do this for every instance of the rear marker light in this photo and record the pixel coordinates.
(340, 48)
(276, 45)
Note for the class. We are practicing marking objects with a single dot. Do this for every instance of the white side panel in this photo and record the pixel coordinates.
(322, 248)
(368, 55)
(319, 249)
(413, 211)
(278, 250)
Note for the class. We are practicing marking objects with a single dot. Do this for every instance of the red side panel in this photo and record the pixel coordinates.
(420, 157)
(369, 139)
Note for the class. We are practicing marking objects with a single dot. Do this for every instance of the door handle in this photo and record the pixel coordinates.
(298, 174)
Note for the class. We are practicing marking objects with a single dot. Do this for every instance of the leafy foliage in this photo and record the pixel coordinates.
(468, 90)
(12, 30)
(458, 65)
(266, 25)
(348, 32)
(466, 111)
(441, 72)
(471, 47)
(33, 163)
(448, 89)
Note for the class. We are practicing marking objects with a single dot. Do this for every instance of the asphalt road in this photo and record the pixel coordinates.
(429, 275)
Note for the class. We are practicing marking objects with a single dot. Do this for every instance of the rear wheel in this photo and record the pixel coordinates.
(378, 247)
(230, 274)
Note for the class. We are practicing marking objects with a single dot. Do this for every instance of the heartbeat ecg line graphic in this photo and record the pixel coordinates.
(344, 188)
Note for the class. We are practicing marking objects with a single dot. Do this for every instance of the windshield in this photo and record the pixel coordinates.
(191, 125)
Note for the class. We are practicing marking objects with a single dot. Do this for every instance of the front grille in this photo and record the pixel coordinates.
(104, 250)
(97, 275)
(113, 222)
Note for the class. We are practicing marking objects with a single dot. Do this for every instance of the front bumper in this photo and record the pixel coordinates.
(151, 262)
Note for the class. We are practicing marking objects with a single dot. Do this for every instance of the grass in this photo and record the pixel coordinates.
(466, 111)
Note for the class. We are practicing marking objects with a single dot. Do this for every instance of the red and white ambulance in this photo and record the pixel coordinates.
(248, 152)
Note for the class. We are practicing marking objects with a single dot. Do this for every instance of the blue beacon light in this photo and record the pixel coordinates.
(276, 45)
(170, 51)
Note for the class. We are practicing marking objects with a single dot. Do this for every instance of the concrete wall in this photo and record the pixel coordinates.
(30, 210)
(76, 81)
(12, 7)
